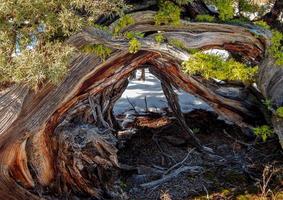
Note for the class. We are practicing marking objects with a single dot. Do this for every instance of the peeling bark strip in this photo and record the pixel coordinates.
(61, 140)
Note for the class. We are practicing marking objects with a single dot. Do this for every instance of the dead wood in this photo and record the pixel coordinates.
(174, 174)
(63, 137)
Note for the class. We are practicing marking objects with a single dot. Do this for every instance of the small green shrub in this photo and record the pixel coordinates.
(134, 45)
(98, 49)
(182, 2)
(159, 38)
(103, 28)
(169, 13)
(225, 9)
(214, 66)
(178, 44)
(196, 130)
(279, 112)
(122, 23)
(276, 48)
(263, 132)
(134, 34)
(247, 6)
(268, 104)
(262, 24)
(205, 18)
(239, 21)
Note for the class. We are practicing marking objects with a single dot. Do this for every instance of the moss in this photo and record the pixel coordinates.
(159, 38)
(205, 18)
(98, 49)
(122, 23)
(169, 13)
(279, 112)
(134, 45)
(214, 66)
(263, 132)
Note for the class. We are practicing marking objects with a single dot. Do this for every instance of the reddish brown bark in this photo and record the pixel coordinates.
(62, 138)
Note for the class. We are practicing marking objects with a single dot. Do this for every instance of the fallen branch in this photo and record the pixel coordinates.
(188, 169)
(132, 105)
(161, 150)
(179, 163)
(236, 140)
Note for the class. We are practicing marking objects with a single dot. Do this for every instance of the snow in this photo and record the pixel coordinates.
(150, 89)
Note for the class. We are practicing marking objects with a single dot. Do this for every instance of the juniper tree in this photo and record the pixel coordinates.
(32, 36)
(38, 29)
(59, 140)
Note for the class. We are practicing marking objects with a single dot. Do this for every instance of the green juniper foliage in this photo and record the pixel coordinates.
(159, 38)
(98, 49)
(263, 132)
(276, 47)
(268, 104)
(247, 6)
(182, 2)
(134, 34)
(205, 18)
(228, 9)
(214, 66)
(34, 67)
(169, 13)
(32, 35)
(225, 8)
(262, 24)
(134, 45)
(279, 112)
(122, 23)
(28, 28)
(103, 28)
(178, 44)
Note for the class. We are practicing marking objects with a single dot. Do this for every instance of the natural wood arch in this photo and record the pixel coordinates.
(37, 139)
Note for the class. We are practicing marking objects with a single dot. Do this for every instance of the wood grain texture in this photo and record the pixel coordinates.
(42, 147)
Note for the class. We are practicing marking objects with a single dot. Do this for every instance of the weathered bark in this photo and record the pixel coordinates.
(272, 17)
(173, 102)
(198, 7)
(61, 139)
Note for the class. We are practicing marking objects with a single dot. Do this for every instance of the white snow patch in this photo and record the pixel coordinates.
(150, 89)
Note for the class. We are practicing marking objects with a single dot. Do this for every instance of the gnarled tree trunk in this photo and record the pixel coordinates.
(59, 142)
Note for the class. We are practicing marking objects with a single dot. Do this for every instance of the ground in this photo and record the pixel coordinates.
(235, 173)
(151, 145)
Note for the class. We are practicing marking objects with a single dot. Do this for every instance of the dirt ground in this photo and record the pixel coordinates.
(239, 168)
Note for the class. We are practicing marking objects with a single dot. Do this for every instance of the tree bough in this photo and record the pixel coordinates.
(61, 139)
